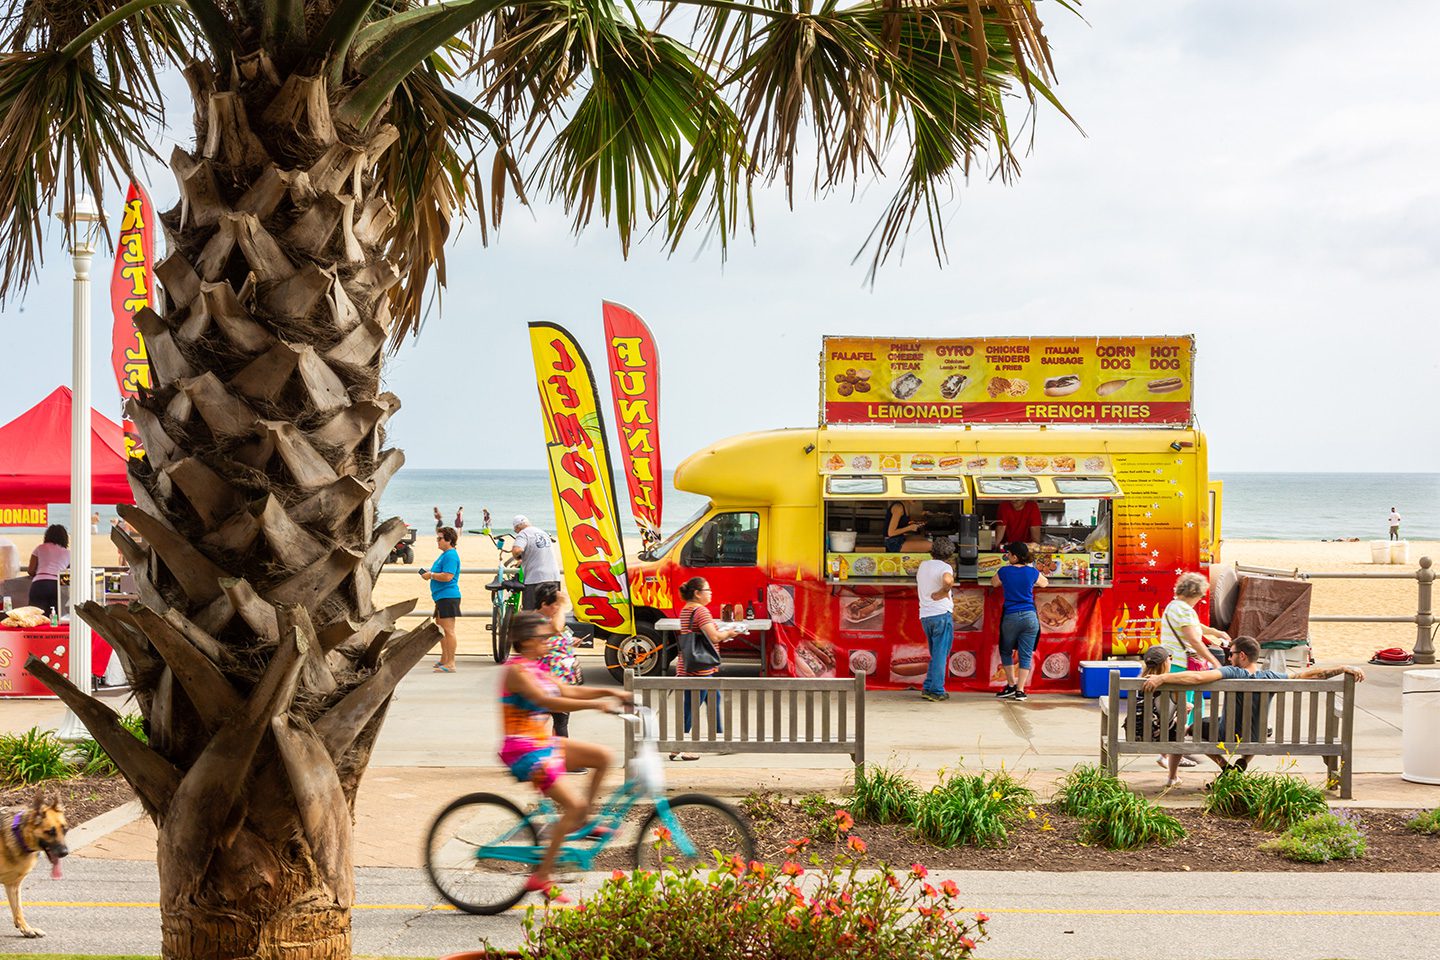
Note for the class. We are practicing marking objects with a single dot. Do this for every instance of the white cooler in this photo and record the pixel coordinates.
(1379, 551)
(1400, 551)
(1420, 726)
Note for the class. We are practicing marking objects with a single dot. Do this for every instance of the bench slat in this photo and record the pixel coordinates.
(1295, 707)
(825, 716)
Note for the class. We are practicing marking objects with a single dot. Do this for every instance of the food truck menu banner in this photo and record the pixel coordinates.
(1109, 380)
(822, 631)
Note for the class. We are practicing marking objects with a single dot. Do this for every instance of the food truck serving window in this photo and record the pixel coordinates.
(933, 486)
(1007, 487)
(725, 540)
(855, 486)
(1085, 487)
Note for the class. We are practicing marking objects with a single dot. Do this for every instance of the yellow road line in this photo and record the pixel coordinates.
(1056, 911)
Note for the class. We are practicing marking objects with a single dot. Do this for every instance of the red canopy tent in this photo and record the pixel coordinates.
(35, 456)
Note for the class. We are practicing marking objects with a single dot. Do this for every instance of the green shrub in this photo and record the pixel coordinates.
(135, 723)
(818, 808)
(762, 808)
(1275, 801)
(1127, 821)
(33, 756)
(1083, 788)
(883, 796)
(1426, 823)
(91, 760)
(1319, 839)
(975, 809)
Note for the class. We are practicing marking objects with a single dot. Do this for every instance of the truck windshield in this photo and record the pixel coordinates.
(668, 544)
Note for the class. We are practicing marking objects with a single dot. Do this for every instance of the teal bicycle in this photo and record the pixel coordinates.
(505, 595)
(482, 848)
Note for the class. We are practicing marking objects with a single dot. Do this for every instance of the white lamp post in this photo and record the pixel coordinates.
(84, 221)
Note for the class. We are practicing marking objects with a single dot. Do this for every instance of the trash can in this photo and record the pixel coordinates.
(1379, 551)
(1420, 726)
(1400, 551)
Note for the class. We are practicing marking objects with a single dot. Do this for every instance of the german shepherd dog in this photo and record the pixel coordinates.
(39, 828)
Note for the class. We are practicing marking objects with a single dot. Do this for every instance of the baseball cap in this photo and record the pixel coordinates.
(520, 520)
(1156, 655)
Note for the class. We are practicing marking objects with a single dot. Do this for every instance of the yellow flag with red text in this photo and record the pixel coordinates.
(586, 514)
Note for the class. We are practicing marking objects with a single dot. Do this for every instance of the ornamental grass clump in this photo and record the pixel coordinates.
(1274, 801)
(1320, 839)
(884, 796)
(976, 809)
(1127, 821)
(34, 756)
(740, 911)
(1428, 823)
(1085, 787)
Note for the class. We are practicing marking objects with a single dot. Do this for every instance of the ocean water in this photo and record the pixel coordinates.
(1258, 506)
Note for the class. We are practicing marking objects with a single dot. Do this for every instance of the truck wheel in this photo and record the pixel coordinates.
(407, 555)
(644, 653)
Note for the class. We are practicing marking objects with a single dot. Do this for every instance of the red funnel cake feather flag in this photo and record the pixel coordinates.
(635, 389)
(131, 290)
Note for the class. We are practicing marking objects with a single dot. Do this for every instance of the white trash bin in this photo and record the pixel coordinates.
(1420, 726)
(1400, 551)
(1379, 551)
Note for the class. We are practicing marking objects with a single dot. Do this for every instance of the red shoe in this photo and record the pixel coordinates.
(545, 887)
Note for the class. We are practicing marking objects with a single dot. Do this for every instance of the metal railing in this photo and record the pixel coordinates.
(420, 613)
(1424, 618)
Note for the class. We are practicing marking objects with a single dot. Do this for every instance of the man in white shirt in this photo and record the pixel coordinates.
(933, 581)
(1394, 524)
(539, 558)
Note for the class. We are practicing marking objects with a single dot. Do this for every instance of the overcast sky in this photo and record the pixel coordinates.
(1259, 174)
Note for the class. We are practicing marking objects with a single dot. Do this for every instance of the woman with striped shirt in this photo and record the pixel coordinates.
(695, 618)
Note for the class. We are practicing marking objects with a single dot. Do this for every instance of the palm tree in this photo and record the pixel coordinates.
(335, 142)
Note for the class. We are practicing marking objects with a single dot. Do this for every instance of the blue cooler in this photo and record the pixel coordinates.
(1095, 675)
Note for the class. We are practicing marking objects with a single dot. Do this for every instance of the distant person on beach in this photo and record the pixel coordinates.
(459, 520)
(539, 558)
(444, 577)
(1394, 523)
(95, 523)
(484, 519)
(46, 562)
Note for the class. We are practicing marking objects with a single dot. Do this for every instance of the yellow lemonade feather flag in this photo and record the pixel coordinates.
(586, 514)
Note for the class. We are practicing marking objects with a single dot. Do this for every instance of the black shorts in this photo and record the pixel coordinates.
(447, 609)
(527, 595)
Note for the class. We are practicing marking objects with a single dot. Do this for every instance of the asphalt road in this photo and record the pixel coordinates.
(108, 906)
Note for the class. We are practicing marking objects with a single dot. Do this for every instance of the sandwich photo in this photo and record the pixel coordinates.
(922, 461)
(1062, 386)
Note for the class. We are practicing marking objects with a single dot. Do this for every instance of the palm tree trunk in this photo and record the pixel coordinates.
(258, 659)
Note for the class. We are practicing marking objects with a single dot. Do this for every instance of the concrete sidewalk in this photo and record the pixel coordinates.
(439, 742)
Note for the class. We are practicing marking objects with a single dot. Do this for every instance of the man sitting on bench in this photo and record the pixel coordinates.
(1244, 665)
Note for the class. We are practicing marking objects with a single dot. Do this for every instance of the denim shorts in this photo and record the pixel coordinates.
(1019, 631)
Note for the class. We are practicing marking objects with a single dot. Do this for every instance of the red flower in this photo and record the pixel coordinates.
(846, 940)
(796, 892)
(844, 820)
(737, 866)
(982, 918)
(856, 844)
(868, 922)
(759, 869)
(925, 911)
(662, 834)
(894, 883)
(833, 908)
(618, 876)
(918, 871)
(795, 846)
(951, 890)
(929, 890)
(792, 921)
(845, 897)
(967, 943)
(792, 869)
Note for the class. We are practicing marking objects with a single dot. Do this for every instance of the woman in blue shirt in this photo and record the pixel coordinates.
(444, 579)
(1020, 625)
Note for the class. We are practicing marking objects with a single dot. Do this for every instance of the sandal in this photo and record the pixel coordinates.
(546, 888)
(684, 756)
(441, 668)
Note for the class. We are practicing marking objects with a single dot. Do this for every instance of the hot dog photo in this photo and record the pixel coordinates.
(909, 662)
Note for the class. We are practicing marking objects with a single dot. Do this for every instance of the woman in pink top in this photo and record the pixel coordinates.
(46, 562)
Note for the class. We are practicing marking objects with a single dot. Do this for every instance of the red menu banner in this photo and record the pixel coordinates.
(132, 288)
(1101, 380)
(635, 390)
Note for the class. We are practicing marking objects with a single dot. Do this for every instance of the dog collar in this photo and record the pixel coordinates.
(19, 837)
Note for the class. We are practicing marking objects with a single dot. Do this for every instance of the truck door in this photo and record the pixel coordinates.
(728, 550)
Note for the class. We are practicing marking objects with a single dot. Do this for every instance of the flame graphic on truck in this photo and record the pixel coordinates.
(1134, 634)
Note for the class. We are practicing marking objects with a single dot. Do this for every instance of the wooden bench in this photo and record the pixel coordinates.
(759, 715)
(1310, 718)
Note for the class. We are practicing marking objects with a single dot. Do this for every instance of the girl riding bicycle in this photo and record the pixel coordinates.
(529, 693)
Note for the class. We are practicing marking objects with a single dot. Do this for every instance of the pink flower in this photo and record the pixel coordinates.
(918, 871)
(894, 883)
(929, 890)
(982, 918)
(844, 821)
(856, 844)
(951, 890)
(967, 943)
(792, 869)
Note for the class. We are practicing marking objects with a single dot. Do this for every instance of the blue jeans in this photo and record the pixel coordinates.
(1019, 630)
(719, 722)
(940, 631)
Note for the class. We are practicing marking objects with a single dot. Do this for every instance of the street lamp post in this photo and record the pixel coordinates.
(84, 221)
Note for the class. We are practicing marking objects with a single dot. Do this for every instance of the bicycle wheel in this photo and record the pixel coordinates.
(480, 851)
(504, 613)
(702, 823)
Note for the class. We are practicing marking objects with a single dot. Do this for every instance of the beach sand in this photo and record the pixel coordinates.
(1348, 642)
